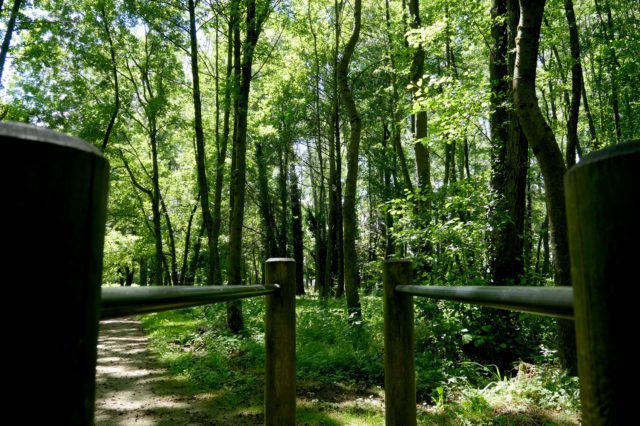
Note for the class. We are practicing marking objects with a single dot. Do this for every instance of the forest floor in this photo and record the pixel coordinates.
(191, 372)
(133, 389)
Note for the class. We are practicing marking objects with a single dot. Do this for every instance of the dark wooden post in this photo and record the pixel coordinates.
(280, 344)
(603, 196)
(53, 216)
(399, 358)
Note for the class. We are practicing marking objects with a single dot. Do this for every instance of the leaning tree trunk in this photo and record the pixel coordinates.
(543, 143)
(349, 205)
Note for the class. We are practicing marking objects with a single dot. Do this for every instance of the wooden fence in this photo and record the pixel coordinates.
(55, 206)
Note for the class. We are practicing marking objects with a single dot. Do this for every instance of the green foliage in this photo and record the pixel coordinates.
(195, 346)
(332, 349)
(457, 234)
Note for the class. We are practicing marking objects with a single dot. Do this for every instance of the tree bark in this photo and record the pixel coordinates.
(296, 222)
(612, 65)
(268, 219)
(509, 152)
(423, 166)
(6, 41)
(116, 88)
(222, 152)
(576, 84)
(253, 27)
(203, 182)
(350, 219)
(543, 143)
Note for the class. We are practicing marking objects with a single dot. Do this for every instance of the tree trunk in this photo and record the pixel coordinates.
(268, 220)
(253, 27)
(155, 207)
(203, 182)
(284, 195)
(396, 110)
(576, 84)
(323, 252)
(335, 259)
(296, 222)
(423, 166)
(187, 241)
(143, 272)
(116, 88)
(510, 154)
(195, 258)
(173, 271)
(548, 154)
(612, 65)
(6, 41)
(222, 152)
(350, 218)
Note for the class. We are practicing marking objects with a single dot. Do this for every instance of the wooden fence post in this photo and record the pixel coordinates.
(53, 216)
(280, 344)
(602, 195)
(399, 357)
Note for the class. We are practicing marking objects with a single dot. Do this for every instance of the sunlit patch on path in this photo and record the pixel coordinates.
(125, 373)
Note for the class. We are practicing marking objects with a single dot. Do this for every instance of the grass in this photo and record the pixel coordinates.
(340, 369)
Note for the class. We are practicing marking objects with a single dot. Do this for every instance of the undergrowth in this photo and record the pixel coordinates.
(340, 367)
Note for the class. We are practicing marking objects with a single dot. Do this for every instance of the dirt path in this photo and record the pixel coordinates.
(129, 383)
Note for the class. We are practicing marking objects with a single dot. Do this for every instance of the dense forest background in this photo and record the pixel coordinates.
(339, 133)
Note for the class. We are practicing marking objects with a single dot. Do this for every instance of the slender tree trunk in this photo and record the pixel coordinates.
(335, 259)
(389, 248)
(423, 166)
(576, 84)
(595, 144)
(268, 220)
(6, 41)
(173, 271)
(296, 222)
(195, 258)
(331, 265)
(548, 154)
(116, 88)
(284, 195)
(201, 157)
(349, 215)
(324, 243)
(143, 272)
(187, 242)
(396, 110)
(612, 65)
(340, 218)
(253, 27)
(155, 207)
(222, 152)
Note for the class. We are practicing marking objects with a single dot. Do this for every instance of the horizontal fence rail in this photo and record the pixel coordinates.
(551, 301)
(124, 301)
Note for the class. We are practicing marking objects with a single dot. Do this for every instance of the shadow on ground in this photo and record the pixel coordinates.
(132, 388)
